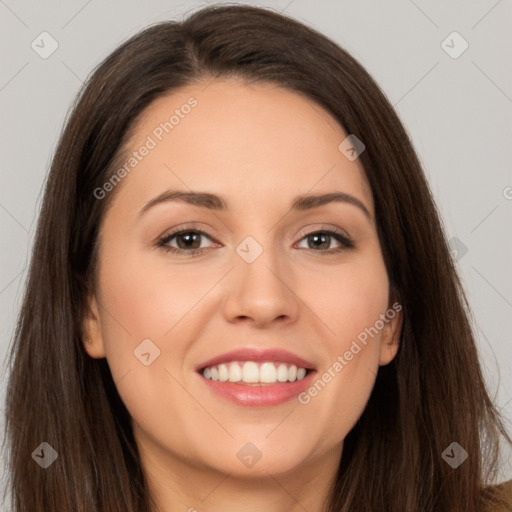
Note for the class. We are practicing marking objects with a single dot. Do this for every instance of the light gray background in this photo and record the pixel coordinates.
(457, 110)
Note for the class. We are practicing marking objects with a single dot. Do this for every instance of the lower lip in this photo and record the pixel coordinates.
(259, 396)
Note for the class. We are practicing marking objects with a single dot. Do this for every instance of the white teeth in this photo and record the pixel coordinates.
(250, 372)
(235, 372)
(282, 373)
(223, 373)
(268, 373)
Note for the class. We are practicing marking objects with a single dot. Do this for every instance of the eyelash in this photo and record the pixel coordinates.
(347, 243)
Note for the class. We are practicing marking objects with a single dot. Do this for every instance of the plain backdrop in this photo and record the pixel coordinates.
(455, 102)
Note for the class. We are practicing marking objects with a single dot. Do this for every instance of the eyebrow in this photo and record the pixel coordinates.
(219, 203)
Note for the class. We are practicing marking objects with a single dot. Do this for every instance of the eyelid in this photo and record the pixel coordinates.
(184, 228)
(308, 230)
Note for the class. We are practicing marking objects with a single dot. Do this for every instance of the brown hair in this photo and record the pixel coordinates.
(431, 394)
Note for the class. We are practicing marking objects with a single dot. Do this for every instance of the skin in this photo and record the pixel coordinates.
(259, 146)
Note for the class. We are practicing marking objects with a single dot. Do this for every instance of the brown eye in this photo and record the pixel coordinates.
(319, 240)
(187, 241)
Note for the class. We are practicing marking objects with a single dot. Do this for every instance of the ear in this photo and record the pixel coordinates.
(390, 336)
(93, 339)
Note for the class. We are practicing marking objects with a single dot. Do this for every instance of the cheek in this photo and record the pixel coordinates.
(350, 304)
(349, 299)
(140, 303)
(339, 395)
(146, 299)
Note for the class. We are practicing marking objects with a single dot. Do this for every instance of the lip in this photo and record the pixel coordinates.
(258, 355)
(259, 396)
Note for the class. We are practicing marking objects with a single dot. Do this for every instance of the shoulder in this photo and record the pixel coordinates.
(503, 490)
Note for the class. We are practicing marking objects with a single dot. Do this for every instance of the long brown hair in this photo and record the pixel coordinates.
(432, 394)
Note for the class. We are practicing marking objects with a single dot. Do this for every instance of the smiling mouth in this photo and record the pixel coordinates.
(251, 373)
(257, 394)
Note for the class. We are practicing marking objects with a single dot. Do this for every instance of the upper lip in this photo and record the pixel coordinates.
(255, 354)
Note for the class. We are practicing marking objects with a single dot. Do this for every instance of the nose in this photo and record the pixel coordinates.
(261, 292)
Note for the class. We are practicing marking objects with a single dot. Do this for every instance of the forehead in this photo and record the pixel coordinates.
(253, 142)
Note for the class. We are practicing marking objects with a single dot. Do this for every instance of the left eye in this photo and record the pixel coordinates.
(318, 239)
(190, 241)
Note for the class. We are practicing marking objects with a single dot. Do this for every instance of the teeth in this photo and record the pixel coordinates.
(223, 373)
(268, 373)
(235, 372)
(249, 372)
(282, 373)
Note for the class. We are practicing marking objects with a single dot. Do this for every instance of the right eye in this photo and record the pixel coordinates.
(187, 241)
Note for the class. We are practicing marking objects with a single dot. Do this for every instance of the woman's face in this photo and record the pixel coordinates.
(269, 277)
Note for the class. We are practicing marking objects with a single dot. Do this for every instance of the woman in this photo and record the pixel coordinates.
(267, 368)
